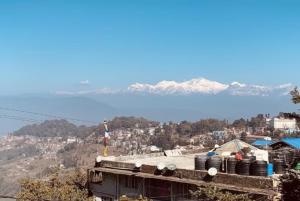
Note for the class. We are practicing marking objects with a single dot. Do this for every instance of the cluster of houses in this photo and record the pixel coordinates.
(171, 175)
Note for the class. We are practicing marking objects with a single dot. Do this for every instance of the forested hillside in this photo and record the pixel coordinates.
(63, 128)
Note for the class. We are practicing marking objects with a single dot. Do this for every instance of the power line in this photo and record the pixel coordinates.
(4, 116)
(46, 115)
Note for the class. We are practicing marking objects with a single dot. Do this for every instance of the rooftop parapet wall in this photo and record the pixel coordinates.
(132, 157)
(198, 175)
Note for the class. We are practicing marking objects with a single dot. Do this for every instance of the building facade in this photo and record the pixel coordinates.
(109, 180)
(283, 123)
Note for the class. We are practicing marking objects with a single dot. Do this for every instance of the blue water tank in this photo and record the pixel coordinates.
(270, 169)
(211, 153)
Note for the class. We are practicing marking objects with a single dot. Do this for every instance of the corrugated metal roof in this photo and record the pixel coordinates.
(294, 142)
(262, 142)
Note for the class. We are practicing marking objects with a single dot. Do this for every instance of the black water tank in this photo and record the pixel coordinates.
(243, 167)
(289, 157)
(231, 165)
(259, 168)
(296, 157)
(286, 156)
(215, 162)
(200, 161)
(278, 166)
(252, 158)
(272, 156)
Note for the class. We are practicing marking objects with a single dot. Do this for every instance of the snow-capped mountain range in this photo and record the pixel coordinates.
(163, 101)
(205, 86)
(189, 87)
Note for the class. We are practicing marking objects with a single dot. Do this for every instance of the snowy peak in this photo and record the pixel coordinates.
(199, 85)
(237, 84)
(205, 86)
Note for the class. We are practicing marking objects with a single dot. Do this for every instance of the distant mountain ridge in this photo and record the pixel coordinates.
(63, 128)
(93, 109)
(54, 128)
(88, 110)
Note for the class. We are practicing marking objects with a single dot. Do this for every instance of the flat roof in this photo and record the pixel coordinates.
(185, 172)
(185, 161)
(182, 162)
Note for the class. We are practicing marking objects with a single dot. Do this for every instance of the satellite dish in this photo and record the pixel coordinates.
(171, 167)
(212, 171)
(98, 159)
(138, 164)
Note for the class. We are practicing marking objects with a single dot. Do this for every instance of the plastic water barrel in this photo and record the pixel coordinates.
(215, 162)
(270, 169)
(278, 166)
(259, 168)
(200, 162)
(243, 167)
(231, 165)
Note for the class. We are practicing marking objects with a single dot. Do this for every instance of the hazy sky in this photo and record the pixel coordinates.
(47, 46)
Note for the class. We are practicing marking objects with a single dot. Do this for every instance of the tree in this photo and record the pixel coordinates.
(240, 123)
(212, 193)
(258, 121)
(71, 186)
(295, 95)
(184, 128)
(290, 185)
(208, 125)
(163, 140)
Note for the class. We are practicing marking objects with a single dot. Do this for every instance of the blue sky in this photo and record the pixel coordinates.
(47, 46)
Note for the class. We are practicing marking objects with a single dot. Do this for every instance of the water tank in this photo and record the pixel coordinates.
(289, 157)
(252, 158)
(270, 169)
(215, 162)
(259, 168)
(272, 156)
(296, 158)
(243, 167)
(286, 157)
(200, 162)
(231, 165)
(278, 166)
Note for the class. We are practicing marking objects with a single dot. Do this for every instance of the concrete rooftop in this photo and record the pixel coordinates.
(183, 161)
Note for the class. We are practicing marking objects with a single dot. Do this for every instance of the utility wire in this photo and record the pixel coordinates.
(4, 116)
(46, 115)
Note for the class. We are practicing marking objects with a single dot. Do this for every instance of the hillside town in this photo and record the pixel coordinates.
(144, 100)
(253, 172)
(37, 155)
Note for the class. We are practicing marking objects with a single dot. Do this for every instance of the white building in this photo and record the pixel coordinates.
(71, 140)
(282, 123)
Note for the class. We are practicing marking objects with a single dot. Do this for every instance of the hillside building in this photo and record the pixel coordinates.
(167, 178)
(283, 124)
